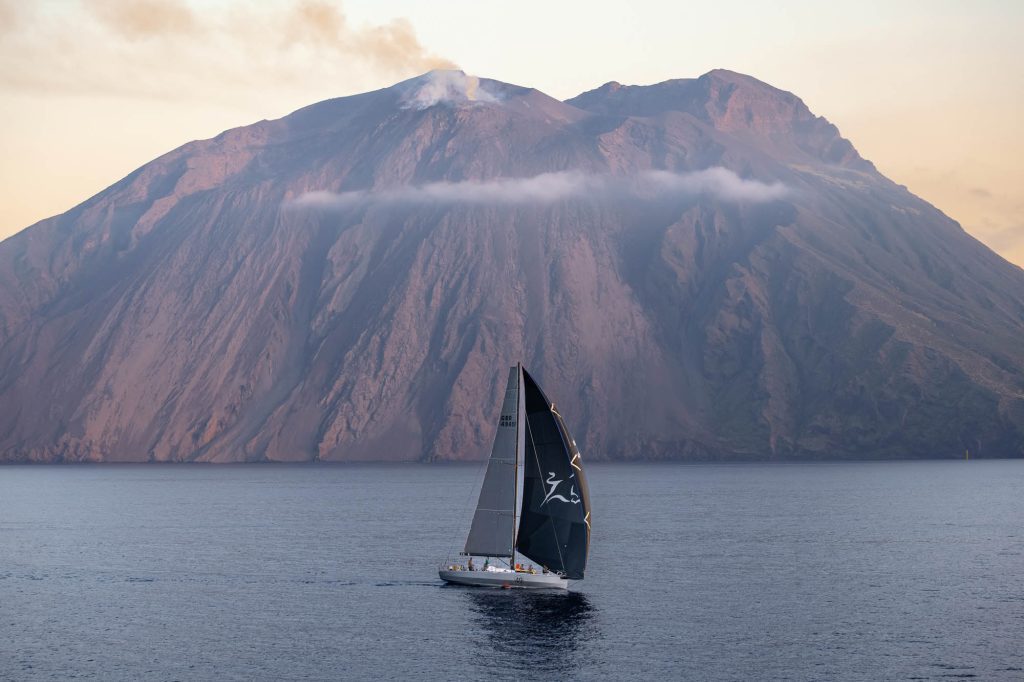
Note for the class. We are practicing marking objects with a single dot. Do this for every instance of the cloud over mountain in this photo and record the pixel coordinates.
(718, 183)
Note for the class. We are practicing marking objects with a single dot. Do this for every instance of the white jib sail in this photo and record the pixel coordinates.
(493, 529)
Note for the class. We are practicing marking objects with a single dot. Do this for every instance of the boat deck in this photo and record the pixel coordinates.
(502, 577)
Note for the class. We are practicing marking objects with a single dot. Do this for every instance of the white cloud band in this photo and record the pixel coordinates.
(547, 188)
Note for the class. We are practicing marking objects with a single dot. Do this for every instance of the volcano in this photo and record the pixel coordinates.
(705, 268)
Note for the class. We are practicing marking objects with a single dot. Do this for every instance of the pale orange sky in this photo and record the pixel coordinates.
(931, 91)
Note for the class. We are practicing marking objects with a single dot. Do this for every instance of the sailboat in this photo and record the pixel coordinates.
(533, 501)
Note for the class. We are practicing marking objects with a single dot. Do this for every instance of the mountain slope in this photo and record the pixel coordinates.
(695, 269)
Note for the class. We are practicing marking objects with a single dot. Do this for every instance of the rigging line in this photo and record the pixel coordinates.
(550, 522)
(480, 474)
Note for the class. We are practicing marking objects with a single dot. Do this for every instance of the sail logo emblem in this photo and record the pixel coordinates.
(554, 483)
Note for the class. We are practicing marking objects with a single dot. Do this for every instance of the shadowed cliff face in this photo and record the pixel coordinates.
(695, 269)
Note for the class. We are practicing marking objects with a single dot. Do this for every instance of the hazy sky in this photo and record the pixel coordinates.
(931, 91)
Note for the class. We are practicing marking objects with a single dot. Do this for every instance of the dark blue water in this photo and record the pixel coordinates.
(859, 571)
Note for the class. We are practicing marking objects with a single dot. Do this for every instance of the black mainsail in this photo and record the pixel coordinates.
(554, 526)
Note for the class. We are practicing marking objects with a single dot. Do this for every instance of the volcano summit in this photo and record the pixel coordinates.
(710, 270)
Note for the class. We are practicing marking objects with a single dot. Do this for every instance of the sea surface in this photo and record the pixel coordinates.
(849, 571)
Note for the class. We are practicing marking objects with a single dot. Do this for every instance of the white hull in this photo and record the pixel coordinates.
(507, 579)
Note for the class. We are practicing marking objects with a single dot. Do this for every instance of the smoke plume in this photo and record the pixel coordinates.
(162, 48)
(145, 18)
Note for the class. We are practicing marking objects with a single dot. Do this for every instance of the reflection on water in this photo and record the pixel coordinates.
(530, 631)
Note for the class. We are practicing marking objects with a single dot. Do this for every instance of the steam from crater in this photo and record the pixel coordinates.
(446, 86)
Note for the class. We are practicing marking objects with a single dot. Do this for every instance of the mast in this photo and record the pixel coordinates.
(519, 457)
(515, 463)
